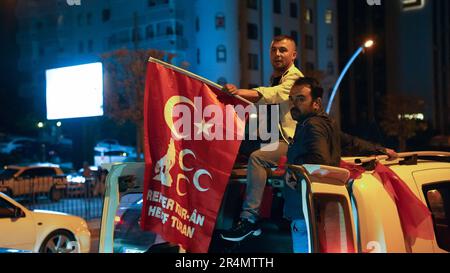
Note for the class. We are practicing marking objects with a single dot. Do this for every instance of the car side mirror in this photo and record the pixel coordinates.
(18, 213)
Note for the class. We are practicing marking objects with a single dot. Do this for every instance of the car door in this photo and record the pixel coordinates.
(23, 182)
(434, 188)
(327, 208)
(113, 198)
(16, 233)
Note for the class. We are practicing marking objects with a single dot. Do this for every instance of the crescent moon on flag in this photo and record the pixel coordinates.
(181, 176)
(168, 109)
(197, 176)
(180, 159)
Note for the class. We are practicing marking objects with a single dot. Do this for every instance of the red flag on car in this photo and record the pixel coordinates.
(192, 137)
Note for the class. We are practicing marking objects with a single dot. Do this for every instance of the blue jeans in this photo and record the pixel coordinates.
(257, 177)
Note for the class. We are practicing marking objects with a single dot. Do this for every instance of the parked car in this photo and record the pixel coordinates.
(80, 186)
(103, 155)
(113, 145)
(341, 214)
(33, 180)
(40, 231)
(10, 144)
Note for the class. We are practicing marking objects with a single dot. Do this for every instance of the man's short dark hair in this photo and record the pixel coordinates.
(280, 38)
(316, 88)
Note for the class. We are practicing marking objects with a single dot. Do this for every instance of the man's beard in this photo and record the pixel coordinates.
(296, 114)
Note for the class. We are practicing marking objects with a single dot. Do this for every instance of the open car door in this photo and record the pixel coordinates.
(327, 208)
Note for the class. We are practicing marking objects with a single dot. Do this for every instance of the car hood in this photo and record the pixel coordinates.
(53, 217)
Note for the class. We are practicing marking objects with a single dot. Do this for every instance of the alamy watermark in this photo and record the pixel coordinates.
(373, 2)
(189, 120)
(73, 2)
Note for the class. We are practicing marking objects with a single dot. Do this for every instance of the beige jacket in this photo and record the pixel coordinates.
(280, 95)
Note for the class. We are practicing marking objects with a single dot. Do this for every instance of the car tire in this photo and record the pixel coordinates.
(55, 194)
(59, 241)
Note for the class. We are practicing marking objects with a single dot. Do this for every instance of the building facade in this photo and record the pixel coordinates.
(223, 41)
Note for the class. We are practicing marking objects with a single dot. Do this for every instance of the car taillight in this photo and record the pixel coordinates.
(117, 220)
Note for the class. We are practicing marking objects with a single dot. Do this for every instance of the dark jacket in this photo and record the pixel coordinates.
(318, 141)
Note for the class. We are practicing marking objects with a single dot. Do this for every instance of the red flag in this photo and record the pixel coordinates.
(412, 212)
(188, 164)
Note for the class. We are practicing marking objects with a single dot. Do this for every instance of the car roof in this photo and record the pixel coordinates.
(32, 165)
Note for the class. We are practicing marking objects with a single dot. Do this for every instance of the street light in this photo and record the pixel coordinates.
(367, 44)
(40, 124)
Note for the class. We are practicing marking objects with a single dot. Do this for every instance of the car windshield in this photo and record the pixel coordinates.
(7, 173)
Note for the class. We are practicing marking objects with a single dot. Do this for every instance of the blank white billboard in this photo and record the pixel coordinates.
(74, 91)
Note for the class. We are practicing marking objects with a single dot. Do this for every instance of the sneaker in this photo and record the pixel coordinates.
(241, 230)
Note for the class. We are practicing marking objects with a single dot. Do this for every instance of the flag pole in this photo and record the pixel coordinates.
(195, 76)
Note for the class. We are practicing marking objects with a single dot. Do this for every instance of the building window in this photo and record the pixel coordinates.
(330, 68)
(164, 28)
(328, 16)
(252, 4)
(309, 42)
(221, 54)
(81, 47)
(220, 20)
(106, 15)
(277, 6)
(41, 51)
(294, 36)
(178, 29)
(253, 61)
(197, 24)
(438, 201)
(330, 42)
(152, 3)
(198, 55)
(136, 34)
(169, 30)
(222, 81)
(252, 31)
(309, 16)
(89, 19)
(149, 33)
(90, 46)
(293, 9)
(276, 31)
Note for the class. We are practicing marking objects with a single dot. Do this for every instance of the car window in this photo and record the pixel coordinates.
(128, 235)
(29, 173)
(115, 153)
(333, 217)
(438, 200)
(46, 172)
(6, 208)
(7, 173)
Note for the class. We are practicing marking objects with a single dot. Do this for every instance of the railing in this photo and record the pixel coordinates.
(56, 194)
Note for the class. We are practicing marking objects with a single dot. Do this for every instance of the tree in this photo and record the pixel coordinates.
(402, 117)
(125, 72)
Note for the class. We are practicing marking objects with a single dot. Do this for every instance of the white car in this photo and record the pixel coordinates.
(47, 179)
(114, 145)
(41, 231)
(12, 144)
(103, 155)
(341, 214)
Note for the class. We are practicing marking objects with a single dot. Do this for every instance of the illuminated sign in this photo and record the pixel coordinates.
(74, 91)
(413, 4)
